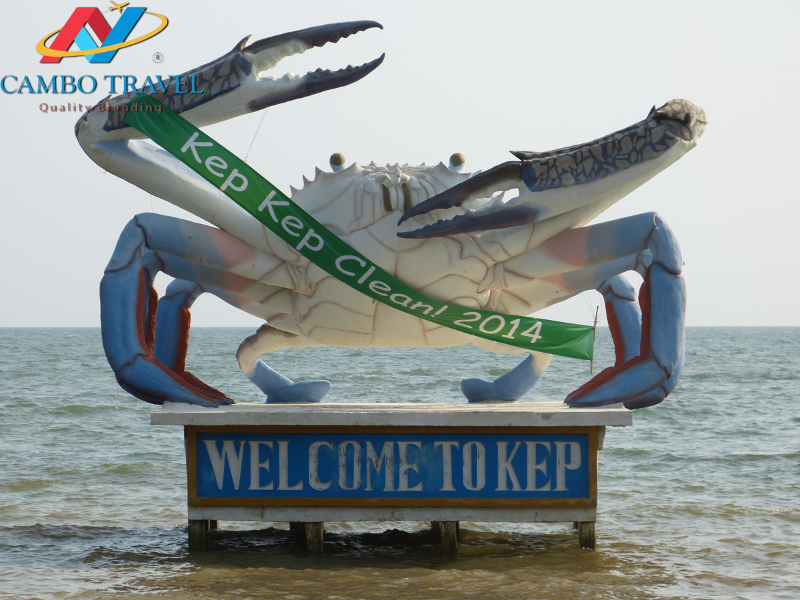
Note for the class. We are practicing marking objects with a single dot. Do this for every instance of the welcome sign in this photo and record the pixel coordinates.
(392, 467)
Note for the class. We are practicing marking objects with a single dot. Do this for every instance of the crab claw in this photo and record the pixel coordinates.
(239, 83)
(587, 176)
(269, 51)
(495, 215)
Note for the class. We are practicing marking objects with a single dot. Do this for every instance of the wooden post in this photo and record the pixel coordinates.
(448, 535)
(197, 534)
(591, 362)
(314, 536)
(297, 531)
(587, 535)
(309, 535)
(211, 524)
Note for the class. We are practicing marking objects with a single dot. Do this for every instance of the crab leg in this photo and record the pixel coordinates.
(277, 387)
(172, 340)
(146, 341)
(515, 384)
(212, 250)
(646, 379)
(173, 320)
(540, 293)
(624, 317)
(128, 306)
(591, 258)
(583, 247)
(574, 261)
(511, 386)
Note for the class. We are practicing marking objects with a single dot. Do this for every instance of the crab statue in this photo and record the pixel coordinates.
(515, 256)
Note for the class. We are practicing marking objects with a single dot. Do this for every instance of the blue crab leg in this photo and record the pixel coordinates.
(646, 379)
(508, 388)
(278, 389)
(587, 258)
(553, 289)
(172, 323)
(583, 247)
(147, 349)
(661, 392)
(172, 340)
(217, 250)
(624, 317)
(173, 318)
(617, 291)
(128, 306)
(278, 299)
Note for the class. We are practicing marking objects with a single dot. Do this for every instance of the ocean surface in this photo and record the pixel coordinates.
(699, 499)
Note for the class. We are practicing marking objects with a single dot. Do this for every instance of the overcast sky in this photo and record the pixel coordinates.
(479, 78)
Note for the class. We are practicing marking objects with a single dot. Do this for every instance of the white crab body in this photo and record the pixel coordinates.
(515, 256)
(362, 205)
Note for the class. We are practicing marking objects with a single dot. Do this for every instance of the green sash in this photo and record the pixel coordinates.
(279, 214)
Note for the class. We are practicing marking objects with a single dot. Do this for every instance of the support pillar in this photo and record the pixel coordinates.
(314, 536)
(309, 535)
(448, 535)
(587, 533)
(197, 534)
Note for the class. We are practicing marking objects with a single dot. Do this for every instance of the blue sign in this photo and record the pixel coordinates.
(392, 465)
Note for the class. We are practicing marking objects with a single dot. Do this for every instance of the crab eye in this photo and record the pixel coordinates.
(678, 129)
(457, 161)
(337, 162)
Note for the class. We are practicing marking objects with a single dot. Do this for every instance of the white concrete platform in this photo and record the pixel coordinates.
(310, 514)
(513, 414)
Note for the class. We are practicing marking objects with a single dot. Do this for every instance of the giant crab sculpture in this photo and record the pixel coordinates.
(517, 256)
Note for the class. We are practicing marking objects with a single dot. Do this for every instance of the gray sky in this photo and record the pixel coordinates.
(473, 77)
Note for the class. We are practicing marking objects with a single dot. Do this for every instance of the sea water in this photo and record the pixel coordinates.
(699, 499)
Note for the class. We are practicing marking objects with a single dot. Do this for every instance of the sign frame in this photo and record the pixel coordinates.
(190, 439)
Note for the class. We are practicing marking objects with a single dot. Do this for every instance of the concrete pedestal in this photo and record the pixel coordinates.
(443, 463)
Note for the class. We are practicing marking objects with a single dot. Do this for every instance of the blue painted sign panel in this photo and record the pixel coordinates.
(392, 465)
